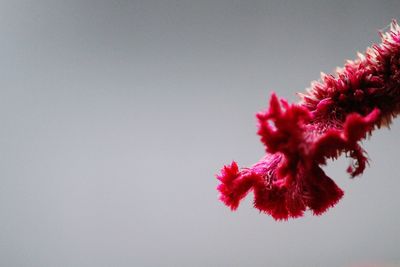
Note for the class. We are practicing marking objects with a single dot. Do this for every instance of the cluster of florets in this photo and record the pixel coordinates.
(332, 118)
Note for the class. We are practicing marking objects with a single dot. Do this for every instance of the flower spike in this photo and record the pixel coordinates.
(333, 116)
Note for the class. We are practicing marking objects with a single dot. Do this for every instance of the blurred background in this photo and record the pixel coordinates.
(116, 116)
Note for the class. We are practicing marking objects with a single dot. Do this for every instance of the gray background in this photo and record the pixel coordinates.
(116, 115)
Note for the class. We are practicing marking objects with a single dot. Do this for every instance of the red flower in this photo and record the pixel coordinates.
(331, 119)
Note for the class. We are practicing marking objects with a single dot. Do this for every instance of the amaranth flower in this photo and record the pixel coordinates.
(333, 116)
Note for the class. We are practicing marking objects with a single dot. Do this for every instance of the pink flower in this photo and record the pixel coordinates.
(331, 119)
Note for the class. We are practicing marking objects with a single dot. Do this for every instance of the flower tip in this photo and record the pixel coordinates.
(374, 115)
(394, 26)
(361, 56)
(274, 105)
(228, 173)
(274, 97)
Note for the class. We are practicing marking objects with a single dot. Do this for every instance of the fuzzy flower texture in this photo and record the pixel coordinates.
(332, 118)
